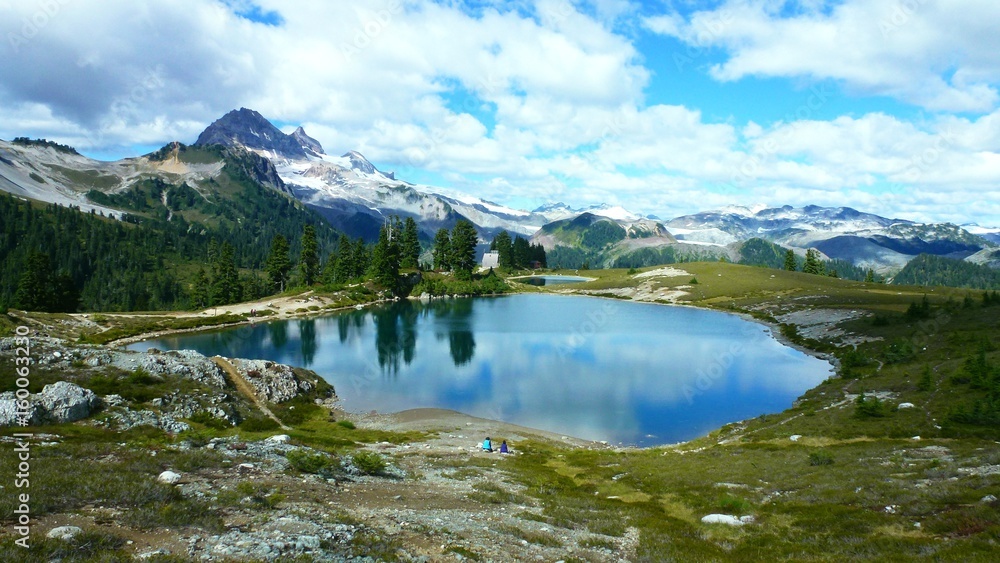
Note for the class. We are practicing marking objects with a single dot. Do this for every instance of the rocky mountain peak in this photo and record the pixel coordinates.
(247, 128)
(307, 142)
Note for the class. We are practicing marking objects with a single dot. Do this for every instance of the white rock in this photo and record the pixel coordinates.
(915, 438)
(906, 406)
(169, 477)
(988, 499)
(795, 437)
(67, 402)
(724, 519)
(279, 439)
(64, 533)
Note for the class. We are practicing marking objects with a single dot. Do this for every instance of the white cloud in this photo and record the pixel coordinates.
(936, 55)
(535, 104)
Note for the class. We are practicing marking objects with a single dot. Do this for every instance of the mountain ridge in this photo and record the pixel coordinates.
(353, 195)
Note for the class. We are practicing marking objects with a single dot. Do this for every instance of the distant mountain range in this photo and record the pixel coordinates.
(354, 196)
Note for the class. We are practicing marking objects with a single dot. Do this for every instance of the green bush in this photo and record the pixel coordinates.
(871, 407)
(820, 457)
(307, 462)
(206, 419)
(369, 463)
(926, 382)
(346, 424)
(258, 424)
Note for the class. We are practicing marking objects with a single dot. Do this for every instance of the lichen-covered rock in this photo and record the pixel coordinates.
(276, 383)
(58, 403)
(125, 419)
(9, 413)
(185, 363)
(169, 477)
(67, 402)
(65, 533)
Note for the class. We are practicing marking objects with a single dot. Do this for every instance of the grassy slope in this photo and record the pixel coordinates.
(850, 488)
(806, 511)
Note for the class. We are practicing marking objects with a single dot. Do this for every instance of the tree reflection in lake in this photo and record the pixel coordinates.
(454, 316)
(640, 374)
(395, 335)
(279, 334)
(307, 334)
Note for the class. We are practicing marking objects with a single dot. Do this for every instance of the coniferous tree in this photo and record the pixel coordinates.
(813, 264)
(520, 252)
(200, 290)
(34, 289)
(343, 266)
(409, 245)
(463, 249)
(505, 248)
(360, 259)
(384, 267)
(538, 254)
(790, 260)
(278, 264)
(328, 274)
(309, 257)
(226, 286)
(442, 249)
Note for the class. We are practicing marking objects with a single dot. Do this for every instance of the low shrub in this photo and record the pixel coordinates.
(308, 462)
(369, 463)
(258, 424)
(820, 457)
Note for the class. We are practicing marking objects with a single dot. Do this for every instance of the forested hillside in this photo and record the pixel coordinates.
(937, 270)
(172, 240)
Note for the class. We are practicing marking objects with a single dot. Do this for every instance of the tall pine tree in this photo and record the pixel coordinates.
(34, 288)
(309, 257)
(463, 249)
(384, 267)
(505, 248)
(226, 286)
(442, 249)
(409, 245)
(813, 264)
(790, 264)
(278, 264)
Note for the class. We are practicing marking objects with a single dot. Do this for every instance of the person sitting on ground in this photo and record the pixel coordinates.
(503, 447)
(487, 445)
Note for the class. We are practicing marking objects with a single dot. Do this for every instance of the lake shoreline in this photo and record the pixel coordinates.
(359, 414)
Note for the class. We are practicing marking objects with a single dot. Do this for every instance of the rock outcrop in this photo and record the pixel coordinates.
(58, 403)
(275, 383)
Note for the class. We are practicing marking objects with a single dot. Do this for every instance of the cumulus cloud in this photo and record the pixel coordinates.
(937, 55)
(533, 101)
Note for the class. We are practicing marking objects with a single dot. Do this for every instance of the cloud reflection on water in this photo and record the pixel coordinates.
(636, 373)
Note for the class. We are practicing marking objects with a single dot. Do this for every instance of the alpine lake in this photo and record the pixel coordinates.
(599, 369)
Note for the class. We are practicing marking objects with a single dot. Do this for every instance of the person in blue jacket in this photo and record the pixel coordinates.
(487, 445)
(503, 447)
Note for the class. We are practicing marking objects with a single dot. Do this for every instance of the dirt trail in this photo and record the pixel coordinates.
(245, 388)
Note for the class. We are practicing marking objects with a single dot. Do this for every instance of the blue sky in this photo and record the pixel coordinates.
(664, 107)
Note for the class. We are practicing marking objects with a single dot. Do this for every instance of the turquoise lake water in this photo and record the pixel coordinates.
(623, 372)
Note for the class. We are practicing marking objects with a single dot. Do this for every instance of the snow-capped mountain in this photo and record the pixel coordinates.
(988, 233)
(352, 193)
(863, 239)
(356, 197)
(559, 211)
